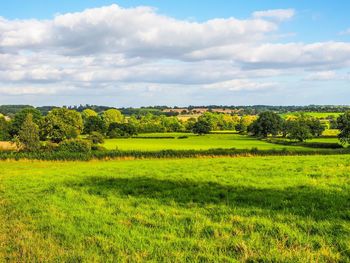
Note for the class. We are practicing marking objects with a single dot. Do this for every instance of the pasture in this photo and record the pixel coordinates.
(319, 115)
(152, 142)
(285, 209)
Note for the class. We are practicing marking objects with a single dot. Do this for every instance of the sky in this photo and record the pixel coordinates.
(175, 53)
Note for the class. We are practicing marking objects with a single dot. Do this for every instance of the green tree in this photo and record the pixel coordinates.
(94, 124)
(267, 123)
(343, 122)
(202, 126)
(316, 127)
(4, 129)
(298, 130)
(189, 124)
(28, 135)
(121, 130)
(112, 116)
(61, 124)
(88, 113)
(19, 118)
(244, 122)
(171, 124)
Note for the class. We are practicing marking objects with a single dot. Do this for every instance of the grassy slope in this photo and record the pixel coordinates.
(193, 142)
(283, 209)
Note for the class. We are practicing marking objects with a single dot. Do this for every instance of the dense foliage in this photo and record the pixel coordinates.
(268, 123)
(75, 146)
(344, 127)
(28, 135)
(4, 129)
(61, 124)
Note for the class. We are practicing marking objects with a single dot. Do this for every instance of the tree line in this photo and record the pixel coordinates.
(29, 127)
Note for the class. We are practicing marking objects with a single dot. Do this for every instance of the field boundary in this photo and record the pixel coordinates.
(175, 154)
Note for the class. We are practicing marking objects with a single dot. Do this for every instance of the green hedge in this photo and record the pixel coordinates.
(105, 155)
(319, 145)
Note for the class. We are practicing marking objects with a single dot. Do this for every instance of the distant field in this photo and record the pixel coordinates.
(186, 117)
(330, 132)
(7, 146)
(190, 141)
(195, 142)
(261, 209)
(320, 115)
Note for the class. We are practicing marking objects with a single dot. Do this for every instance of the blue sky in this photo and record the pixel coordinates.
(292, 52)
(315, 20)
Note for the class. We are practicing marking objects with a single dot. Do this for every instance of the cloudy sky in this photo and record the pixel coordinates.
(138, 53)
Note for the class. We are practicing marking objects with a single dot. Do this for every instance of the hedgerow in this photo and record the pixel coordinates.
(115, 154)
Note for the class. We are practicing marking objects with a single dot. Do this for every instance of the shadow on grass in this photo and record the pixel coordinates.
(302, 201)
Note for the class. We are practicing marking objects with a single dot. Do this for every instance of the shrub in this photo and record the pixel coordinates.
(182, 137)
(49, 147)
(98, 148)
(121, 130)
(96, 138)
(75, 145)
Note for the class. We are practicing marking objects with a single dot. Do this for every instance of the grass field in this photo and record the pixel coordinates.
(331, 132)
(320, 115)
(195, 142)
(261, 209)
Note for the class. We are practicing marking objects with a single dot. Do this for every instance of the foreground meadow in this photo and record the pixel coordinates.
(285, 209)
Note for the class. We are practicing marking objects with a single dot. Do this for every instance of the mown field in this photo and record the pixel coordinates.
(258, 209)
(195, 142)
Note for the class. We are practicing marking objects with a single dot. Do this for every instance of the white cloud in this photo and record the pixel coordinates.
(241, 84)
(109, 50)
(327, 76)
(278, 14)
(272, 55)
(322, 75)
(133, 31)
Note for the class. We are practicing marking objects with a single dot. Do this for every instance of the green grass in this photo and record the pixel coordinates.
(193, 142)
(261, 209)
(331, 132)
(324, 140)
(320, 115)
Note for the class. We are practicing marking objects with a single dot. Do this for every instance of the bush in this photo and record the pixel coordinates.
(75, 145)
(96, 138)
(108, 155)
(98, 148)
(182, 137)
(116, 130)
(201, 127)
(49, 147)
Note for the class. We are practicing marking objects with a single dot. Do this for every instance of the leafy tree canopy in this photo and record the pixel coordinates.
(61, 124)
